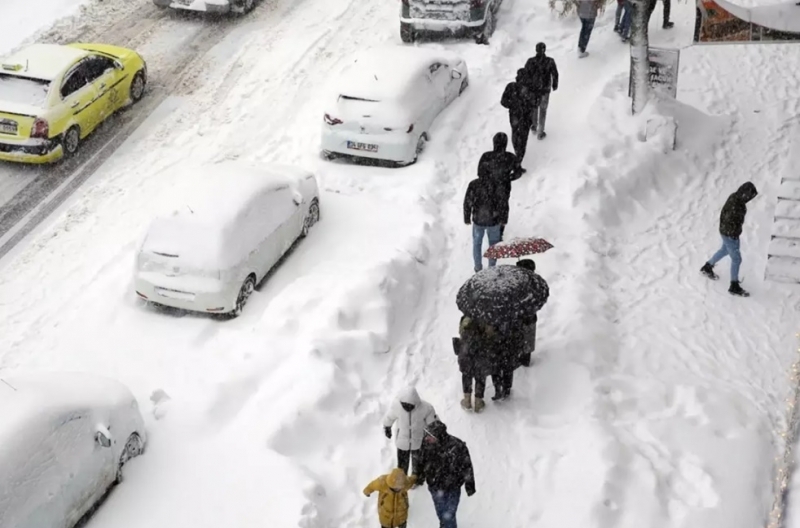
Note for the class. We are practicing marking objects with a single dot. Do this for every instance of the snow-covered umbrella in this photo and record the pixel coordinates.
(503, 295)
(517, 247)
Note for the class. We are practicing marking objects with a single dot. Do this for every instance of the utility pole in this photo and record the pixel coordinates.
(639, 64)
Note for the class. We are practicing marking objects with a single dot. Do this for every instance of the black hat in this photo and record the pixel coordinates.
(437, 429)
(541, 47)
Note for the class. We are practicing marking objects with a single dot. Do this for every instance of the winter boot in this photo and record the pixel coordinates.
(583, 54)
(735, 289)
(669, 25)
(542, 135)
(466, 403)
(498, 394)
(479, 405)
(708, 271)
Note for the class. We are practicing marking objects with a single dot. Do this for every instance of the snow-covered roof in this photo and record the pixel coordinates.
(41, 61)
(385, 73)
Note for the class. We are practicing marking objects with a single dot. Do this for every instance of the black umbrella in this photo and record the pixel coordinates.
(503, 295)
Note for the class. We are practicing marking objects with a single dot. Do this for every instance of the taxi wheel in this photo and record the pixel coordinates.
(137, 87)
(71, 142)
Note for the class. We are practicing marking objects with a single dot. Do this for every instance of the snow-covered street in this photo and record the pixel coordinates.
(656, 399)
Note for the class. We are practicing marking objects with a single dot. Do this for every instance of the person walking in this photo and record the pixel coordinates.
(587, 12)
(541, 74)
(392, 497)
(511, 345)
(446, 467)
(529, 327)
(518, 99)
(412, 414)
(476, 350)
(502, 167)
(486, 209)
(731, 220)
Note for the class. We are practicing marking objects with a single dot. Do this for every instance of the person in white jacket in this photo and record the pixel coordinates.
(412, 415)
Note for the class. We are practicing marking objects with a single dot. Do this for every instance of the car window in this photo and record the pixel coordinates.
(23, 90)
(97, 66)
(75, 80)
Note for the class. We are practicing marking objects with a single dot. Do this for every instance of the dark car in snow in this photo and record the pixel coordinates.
(471, 18)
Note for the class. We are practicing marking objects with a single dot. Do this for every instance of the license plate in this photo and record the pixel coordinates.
(175, 294)
(8, 127)
(368, 147)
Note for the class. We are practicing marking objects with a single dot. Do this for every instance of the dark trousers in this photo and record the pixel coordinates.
(502, 231)
(502, 379)
(520, 129)
(667, 7)
(404, 459)
(530, 346)
(480, 385)
(587, 25)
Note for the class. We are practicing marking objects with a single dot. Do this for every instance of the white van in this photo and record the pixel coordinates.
(209, 254)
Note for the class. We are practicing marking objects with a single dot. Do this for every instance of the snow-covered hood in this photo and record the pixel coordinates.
(409, 395)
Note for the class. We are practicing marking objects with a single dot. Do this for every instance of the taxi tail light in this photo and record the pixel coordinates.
(40, 129)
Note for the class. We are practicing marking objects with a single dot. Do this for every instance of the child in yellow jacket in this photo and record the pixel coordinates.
(392, 497)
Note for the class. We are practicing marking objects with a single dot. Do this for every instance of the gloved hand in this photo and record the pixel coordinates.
(470, 492)
(387, 431)
(470, 489)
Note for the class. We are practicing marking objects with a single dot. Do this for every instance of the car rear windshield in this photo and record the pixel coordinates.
(23, 90)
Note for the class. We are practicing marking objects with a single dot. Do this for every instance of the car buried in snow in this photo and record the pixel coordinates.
(64, 439)
(52, 97)
(239, 7)
(471, 18)
(386, 101)
(209, 253)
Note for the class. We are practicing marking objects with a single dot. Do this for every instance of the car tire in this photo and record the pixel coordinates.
(71, 141)
(327, 155)
(138, 85)
(247, 289)
(407, 33)
(133, 448)
(487, 30)
(423, 138)
(311, 218)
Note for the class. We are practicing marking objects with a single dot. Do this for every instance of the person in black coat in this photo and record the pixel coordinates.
(501, 166)
(486, 208)
(518, 99)
(731, 220)
(476, 350)
(446, 466)
(528, 327)
(511, 344)
(541, 76)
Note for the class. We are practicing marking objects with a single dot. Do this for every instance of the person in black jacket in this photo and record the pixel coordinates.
(731, 220)
(512, 343)
(500, 166)
(529, 327)
(518, 99)
(476, 350)
(446, 466)
(486, 208)
(541, 76)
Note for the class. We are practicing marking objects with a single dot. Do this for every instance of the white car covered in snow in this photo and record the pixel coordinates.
(209, 254)
(64, 438)
(387, 100)
(210, 6)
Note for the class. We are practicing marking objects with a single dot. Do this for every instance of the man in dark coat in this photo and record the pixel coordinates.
(731, 220)
(512, 343)
(477, 348)
(541, 76)
(501, 166)
(486, 208)
(518, 99)
(529, 327)
(446, 466)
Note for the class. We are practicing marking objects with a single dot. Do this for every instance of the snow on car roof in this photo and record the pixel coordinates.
(386, 73)
(41, 61)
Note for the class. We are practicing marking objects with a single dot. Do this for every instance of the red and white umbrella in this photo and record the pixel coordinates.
(517, 247)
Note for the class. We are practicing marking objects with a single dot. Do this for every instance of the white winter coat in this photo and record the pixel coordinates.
(410, 426)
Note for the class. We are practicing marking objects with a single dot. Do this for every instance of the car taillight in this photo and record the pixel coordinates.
(40, 129)
(333, 120)
(410, 129)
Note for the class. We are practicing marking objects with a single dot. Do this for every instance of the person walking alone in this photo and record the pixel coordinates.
(502, 167)
(392, 497)
(587, 12)
(486, 209)
(541, 76)
(731, 220)
(446, 467)
(518, 99)
(412, 414)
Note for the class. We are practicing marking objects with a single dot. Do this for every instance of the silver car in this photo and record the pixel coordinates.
(471, 18)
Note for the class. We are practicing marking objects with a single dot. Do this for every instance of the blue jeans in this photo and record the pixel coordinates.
(587, 25)
(617, 17)
(477, 243)
(730, 247)
(625, 25)
(445, 502)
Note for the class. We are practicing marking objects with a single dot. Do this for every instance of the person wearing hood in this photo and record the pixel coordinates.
(731, 220)
(411, 414)
(501, 166)
(518, 99)
(486, 209)
(392, 497)
(541, 76)
(446, 467)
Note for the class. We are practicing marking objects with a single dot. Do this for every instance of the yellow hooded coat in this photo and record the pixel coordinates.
(392, 497)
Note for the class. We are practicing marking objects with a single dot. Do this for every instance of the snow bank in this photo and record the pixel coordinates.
(18, 21)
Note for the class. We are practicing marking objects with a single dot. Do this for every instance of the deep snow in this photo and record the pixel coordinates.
(656, 398)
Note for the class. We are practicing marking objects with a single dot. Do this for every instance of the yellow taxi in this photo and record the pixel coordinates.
(52, 96)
